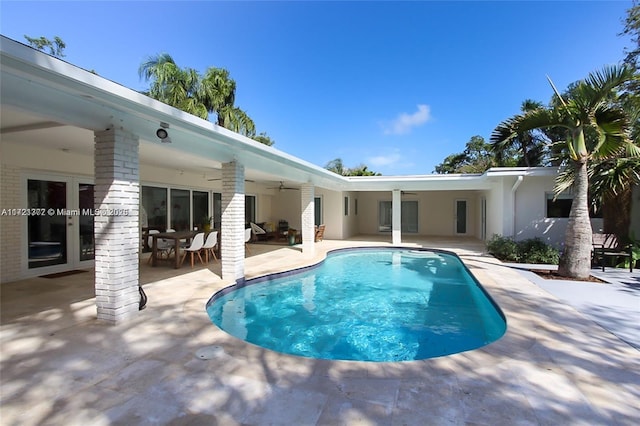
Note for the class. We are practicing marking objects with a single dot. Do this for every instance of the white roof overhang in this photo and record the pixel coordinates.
(42, 95)
(49, 103)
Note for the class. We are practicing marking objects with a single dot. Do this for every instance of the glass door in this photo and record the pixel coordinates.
(60, 233)
(47, 240)
(384, 216)
(461, 217)
(409, 217)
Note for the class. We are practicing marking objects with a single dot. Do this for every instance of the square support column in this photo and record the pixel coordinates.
(396, 217)
(307, 205)
(232, 232)
(116, 200)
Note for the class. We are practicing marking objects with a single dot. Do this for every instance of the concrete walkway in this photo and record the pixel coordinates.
(614, 305)
(170, 365)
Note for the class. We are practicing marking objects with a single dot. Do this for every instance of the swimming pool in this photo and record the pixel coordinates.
(368, 304)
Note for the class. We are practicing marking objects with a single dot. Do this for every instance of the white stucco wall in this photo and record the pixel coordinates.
(530, 212)
(332, 213)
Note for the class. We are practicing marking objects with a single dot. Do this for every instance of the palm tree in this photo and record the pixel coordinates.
(531, 145)
(173, 85)
(589, 112)
(184, 88)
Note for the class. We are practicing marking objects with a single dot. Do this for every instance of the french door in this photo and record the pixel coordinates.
(59, 224)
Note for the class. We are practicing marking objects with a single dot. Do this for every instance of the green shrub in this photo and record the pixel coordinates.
(533, 250)
(503, 248)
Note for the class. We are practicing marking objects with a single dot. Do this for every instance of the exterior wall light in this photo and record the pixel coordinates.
(162, 133)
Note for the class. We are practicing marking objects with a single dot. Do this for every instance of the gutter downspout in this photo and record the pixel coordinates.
(513, 204)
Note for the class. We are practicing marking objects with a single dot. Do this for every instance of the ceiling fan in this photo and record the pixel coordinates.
(283, 187)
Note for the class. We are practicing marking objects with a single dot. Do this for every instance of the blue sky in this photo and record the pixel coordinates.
(397, 86)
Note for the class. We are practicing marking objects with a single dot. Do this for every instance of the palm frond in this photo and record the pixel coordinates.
(564, 180)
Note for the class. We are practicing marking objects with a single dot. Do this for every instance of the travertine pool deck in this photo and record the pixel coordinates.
(60, 366)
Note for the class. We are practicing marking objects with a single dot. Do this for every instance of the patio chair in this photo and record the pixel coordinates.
(210, 245)
(196, 246)
(607, 246)
(319, 233)
(259, 233)
(162, 248)
(247, 237)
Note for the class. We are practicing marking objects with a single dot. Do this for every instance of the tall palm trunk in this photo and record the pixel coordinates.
(575, 261)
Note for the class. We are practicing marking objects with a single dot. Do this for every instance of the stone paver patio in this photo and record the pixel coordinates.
(59, 365)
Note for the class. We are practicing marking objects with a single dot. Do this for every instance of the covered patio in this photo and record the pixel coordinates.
(61, 365)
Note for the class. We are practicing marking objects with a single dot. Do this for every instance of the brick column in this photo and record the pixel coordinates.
(11, 227)
(116, 196)
(308, 222)
(232, 232)
(396, 217)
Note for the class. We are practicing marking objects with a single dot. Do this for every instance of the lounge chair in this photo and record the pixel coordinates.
(319, 233)
(259, 233)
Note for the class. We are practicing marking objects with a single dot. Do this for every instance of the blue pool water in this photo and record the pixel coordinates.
(364, 305)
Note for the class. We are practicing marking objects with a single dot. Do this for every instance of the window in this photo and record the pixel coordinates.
(154, 202)
(355, 207)
(200, 202)
(180, 209)
(217, 210)
(561, 206)
(346, 206)
(250, 208)
(317, 214)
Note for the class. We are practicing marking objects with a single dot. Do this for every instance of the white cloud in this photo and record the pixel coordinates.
(384, 160)
(405, 122)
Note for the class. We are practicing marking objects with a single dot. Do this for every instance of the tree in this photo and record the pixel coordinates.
(186, 89)
(477, 157)
(632, 99)
(361, 170)
(54, 47)
(632, 28)
(337, 166)
(264, 139)
(589, 112)
(527, 149)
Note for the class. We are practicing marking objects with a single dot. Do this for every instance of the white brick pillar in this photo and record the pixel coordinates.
(116, 198)
(396, 217)
(308, 222)
(232, 232)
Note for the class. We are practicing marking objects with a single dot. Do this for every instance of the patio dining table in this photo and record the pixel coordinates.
(176, 237)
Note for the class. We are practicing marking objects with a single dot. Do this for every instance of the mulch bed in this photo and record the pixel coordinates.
(553, 275)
